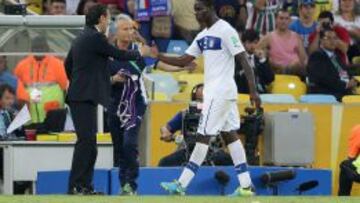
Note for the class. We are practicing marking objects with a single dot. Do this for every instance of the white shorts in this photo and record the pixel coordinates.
(219, 115)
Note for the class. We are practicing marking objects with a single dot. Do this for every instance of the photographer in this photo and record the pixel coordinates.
(182, 154)
(326, 18)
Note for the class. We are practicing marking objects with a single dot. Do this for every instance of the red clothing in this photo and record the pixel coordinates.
(120, 3)
(354, 142)
(343, 35)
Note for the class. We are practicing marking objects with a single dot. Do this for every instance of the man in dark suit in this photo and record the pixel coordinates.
(89, 86)
(327, 74)
(264, 75)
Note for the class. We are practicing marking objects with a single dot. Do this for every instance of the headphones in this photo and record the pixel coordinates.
(194, 90)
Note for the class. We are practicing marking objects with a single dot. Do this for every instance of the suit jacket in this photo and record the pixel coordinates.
(323, 76)
(86, 67)
(263, 73)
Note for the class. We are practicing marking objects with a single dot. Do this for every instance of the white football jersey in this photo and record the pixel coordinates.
(218, 44)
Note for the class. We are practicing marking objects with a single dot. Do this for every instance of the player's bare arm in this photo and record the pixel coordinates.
(254, 97)
(181, 61)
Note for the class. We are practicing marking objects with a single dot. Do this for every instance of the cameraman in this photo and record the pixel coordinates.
(326, 19)
(182, 154)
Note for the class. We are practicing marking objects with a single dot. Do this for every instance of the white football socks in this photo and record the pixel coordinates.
(238, 156)
(197, 158)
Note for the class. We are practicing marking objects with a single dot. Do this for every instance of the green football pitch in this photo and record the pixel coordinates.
(156, 199)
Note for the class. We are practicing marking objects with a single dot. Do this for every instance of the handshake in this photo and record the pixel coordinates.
(153, 52)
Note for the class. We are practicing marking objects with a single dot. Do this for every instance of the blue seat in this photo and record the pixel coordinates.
(177, 47)
(318, 99)
(278, 98)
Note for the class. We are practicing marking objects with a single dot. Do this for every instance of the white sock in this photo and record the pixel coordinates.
(197, 158)
(238, 156)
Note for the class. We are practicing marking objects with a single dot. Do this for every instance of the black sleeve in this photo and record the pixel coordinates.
(318, 73)
(69, 64)
(102, 46)
(265, 73)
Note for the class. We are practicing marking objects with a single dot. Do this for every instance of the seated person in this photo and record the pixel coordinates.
(44, 77)
(182, 154)
(264, 75)
(327, 74)
(306, 24)
(350, 168)
(286, 50)
(7, 113)
(7, 78)
(343, 41)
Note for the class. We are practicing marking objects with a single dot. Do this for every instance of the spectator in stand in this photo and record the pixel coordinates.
(57, 7)
(130, 8)
(186, 25)
(7, 113)
(233, 11)
(286, 50)
(84, 6)
(115, 6)
(351, 21)
(343, 41)
(306, 24)
(335, 7)
(263, 73)
(7, 78)
(118, 4)
(327, 74)
(350, 168)
(44, 77)
(71, 6)
(262, 15)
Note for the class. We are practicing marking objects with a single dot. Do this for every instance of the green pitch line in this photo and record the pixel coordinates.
(169, 199)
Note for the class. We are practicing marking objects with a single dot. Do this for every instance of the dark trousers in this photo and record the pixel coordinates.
(125, 145)
(85, 152)
(348, 175)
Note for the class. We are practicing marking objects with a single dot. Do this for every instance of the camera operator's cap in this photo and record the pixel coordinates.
(306, 2)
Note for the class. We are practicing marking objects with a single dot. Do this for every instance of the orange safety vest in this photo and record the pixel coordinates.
(50, 69)
(48, 76)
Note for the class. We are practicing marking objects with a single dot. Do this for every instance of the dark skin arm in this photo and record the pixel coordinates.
(249, 73)
(181, 61)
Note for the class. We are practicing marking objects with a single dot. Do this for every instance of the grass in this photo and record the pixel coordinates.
(169, 199)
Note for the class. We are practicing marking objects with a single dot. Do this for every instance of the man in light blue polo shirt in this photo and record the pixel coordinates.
(306, 24)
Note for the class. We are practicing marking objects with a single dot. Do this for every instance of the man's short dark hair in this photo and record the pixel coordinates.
(250, 35)
(208, 3)
(6, 88)
(94, 14)
(326, 14)
(283, 10)
(58, 1)
(324, 30)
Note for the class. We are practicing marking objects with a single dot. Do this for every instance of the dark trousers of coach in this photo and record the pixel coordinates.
(84, 115)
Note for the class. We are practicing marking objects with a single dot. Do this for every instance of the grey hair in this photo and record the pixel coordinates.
(121, 17)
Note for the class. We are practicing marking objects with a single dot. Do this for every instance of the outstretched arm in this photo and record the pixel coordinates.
(170, 68)
(181, 61)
